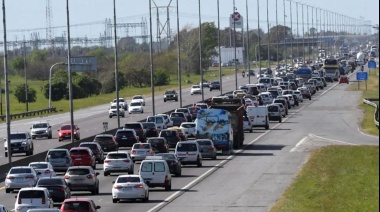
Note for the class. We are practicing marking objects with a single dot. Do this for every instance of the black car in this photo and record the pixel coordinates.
(171, 136)
(173, 162)
(96, 149)
(150, 129)
(139, 129)
(214, 85)
(57, 188)
(107, 142)
(159, 145)
(126, 137)
(170, 95)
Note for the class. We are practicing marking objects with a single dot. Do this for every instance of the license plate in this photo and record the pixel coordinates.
(78, 158)
(141, 152)
(78, 180)
(67, 136)
(51, 191)
(15, 149)
(127, 189)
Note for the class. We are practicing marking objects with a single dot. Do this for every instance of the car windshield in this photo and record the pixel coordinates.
(31, 194)
(168, 133)
(264, 81)
(124, 133)
(117, 156)
(190, 125)
(78, 152)
(167, 156)
(128, 180)
(102, 138)
(135, 104)
(40, 125)
(176, 115)
(138, 97)
(20, 171)
(272, 109)
(91, 146)
(141, 146)
(66, 127)
(204, 143)
(76, 206)
(115, 106)
(57, 154)
(39, 165)
(156, 141)
(133, 126)
(196, 86)
(182, 110)
(78, 172)
(186, 147)
(170, 92)
(18, 136)
(120, 100)
(149, 125)
(50, 181)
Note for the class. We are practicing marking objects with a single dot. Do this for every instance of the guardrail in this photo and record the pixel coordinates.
(30, 113)
(376, 106)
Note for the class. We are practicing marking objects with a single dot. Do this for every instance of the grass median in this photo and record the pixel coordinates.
(335, 179)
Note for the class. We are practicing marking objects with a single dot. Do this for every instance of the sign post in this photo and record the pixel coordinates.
(371, 65)
(105, 126)
(362, 76)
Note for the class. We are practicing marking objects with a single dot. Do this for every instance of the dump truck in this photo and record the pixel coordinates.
(236, 112)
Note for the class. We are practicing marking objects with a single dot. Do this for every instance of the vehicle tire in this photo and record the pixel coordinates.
(93, 191)
(176, 100)
(280, 121)
(50, 136)
(251, 131)
(267, 126)
(97, 190)
(309, 98)
(31, 151)
(115, 200)
(146, 199)
(110, 117)
(142, 111)
(168, 187)
(191, 94)
(106, 174)
(33, 137)
(27, 153)
(199, 163)
(7, 190)
(164, 100)
(178, 174)
(94, 166)
(215, 157)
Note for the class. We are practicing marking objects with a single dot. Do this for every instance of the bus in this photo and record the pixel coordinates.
(331, 67)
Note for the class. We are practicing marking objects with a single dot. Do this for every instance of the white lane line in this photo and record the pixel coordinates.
(337, 141)
(363, 133)
(299, 143)
(172, 197)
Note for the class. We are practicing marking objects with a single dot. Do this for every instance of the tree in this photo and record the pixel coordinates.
(20, 94)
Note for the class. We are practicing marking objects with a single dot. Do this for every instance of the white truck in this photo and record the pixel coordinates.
(259, 116)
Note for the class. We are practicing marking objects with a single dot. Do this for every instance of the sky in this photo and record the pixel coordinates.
(87, 17)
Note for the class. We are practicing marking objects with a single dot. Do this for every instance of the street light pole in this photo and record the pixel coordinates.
(235, 40)
(179, 58)
(259, 39)
(303, 36)
(268, 26)
(116, 66)
(151, 57)
(285, 53)
(291, 32)
(248, 44)
(70, 73)
(200, 48)
(50, 76)
(8, 117)
(220, 49)
(26, 78)
(298, 34)
(277, 35)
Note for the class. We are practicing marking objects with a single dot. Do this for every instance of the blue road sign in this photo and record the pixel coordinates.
(362, 76)
(371, 64)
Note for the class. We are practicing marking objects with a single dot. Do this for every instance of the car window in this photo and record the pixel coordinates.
(20, 171)
(76, 206)
(136, 104)
(147, 167)
(147, 125)
(160, 120)
(49, 181)
(128, 180)
(187, 147)
(204, 143)
(18, 136)
(57, 154)
(188, 125)
(79, 152)
(78, 172)
(40, 125)
(133, 126)
(167, 133)
(141, 146)
(116, 156)
(102, 138)
(167, 156)
(138, 97)
(31, 194)
(159, 167)
(156, 141)
(67, 127)
(272, 109)
(124, 133)
(39, 165)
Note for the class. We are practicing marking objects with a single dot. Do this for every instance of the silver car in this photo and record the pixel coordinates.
(207, 148)
(21, 177)
(82, 178)
(41, 130)
(45, 168)
(59, 158)
(139, 151)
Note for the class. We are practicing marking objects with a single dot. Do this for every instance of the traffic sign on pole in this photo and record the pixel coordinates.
(236, 16)
(371, 64)
(361, 76)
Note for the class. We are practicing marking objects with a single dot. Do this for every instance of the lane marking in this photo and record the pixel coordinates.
(343, 142)
(2, 188)
(177, 194)
(299, 143)
(363, 133)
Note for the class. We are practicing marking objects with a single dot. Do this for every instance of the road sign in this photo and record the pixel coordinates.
(105, 126)
(83, 64)
(361, 76)
(236, 16)
(236, 21)
(371, 64)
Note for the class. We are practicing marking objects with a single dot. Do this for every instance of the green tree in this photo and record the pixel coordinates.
(38, 55)
(58, 91)
(161, 77)
(20, 94)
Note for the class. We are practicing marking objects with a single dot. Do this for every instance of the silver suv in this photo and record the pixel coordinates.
(21, 142)
(41, 130)
(82, 178)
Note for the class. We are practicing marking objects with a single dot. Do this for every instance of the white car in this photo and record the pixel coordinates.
(113, 110)
(130, 187)
(247, 125)
(282, 109)
(40, 130)
(122, 102)
(189, 128)
(299, 95)
(196, 89)
(117, 162)
(45, 168)
(168, 121)
(35, 197)
(138, 98)
(21, 177)
(291, 100)
(189, 153)
(136, 107)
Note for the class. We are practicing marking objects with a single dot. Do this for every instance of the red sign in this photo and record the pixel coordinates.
(236, 16)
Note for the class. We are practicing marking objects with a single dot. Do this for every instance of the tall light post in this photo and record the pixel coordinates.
(285, 53)
(303, 34)
(26, 78)
(179, 58)
(200, 48)
(277, 36)
(268, 26)
(116, 65)
(291, 30)
(235, 50)
(259, 39)
(298, 34)
(248, 43)
(308, 29)
(7, 107)
(220, 49)
(50, 76)
(151, 57)
(70, 73)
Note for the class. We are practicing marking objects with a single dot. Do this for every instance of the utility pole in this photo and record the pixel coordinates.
(248, 44)
(116, 66)
(70, 73)
(268, 35)
(200, 49)
(151, 57)
(258, 35)
(220, 49)
(26, 78)
(285, 53)
(179, 58)
(235, 40)
(277, 36)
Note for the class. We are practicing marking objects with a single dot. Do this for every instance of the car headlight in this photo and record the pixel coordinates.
(23, 143)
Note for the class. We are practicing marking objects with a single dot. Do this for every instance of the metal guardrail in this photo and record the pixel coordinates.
(30, 113)
(376, 106)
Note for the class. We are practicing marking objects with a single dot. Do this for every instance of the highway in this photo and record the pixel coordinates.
(255, 177)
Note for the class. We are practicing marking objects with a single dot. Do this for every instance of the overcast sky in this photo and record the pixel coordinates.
(27, 16)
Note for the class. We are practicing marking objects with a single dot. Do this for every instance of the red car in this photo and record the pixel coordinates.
(79, 205)
(343, 79)
(83, 156)
(65, 132)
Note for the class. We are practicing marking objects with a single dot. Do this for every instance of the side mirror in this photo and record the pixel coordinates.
(97, 173)
(98, 207)
(58, 130)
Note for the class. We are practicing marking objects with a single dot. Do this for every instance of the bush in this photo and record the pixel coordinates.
(161, 78)
(20, 94)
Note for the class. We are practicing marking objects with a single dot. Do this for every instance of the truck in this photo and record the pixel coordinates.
(360, 58)
(331, 67)
(304, 72)
(222, 122)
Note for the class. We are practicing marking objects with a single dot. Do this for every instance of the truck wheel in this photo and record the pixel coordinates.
(267, 126)
(280, 121)
(164, 100)
(6, 154)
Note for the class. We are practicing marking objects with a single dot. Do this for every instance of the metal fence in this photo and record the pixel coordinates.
(30, 113)
(376, 106)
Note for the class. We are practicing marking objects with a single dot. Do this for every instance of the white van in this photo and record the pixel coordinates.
(34, 197)
(266, 81)
(258, 116)
(156, 173)
(159, 120)
(189, 153)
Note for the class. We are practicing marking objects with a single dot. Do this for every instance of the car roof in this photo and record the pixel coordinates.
(79, 148)
(33, 188)
(80, 167)
(93, 143)
(58, 150)
(21, 167)
(99, 135)
(82, 199)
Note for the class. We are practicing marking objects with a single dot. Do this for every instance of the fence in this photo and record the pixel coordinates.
(30, 113)
(376, 106)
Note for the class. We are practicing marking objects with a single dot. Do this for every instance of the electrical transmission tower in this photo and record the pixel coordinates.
(163, 28)
(49, 30)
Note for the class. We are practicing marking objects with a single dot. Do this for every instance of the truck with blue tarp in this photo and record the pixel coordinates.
(217, 129)
(304, 72)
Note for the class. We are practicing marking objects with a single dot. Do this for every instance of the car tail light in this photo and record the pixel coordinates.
(211, 148)
(43, 201)
(61, 188)
(90, 176)
(19, 201)
(107, 161)
(133, 152)
(10, 178)
(150, 152)
(66, 177)
(166, 178)
(118, 187)
(138, 186)
(47, 171)
(116, 137)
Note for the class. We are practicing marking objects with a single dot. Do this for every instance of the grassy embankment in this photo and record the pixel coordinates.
(63, 105)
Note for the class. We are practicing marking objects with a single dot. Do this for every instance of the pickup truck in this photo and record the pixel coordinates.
(170, 95)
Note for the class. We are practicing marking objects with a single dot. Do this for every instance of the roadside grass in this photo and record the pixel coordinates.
(128, 92)
(367, 124)
(335, 179)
